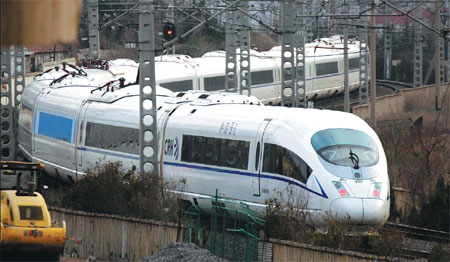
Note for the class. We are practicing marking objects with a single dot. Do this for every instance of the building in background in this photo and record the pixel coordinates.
(40, 54)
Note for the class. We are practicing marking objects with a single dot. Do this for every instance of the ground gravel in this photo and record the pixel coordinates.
(183, 252)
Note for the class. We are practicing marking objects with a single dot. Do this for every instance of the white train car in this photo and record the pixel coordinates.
(332, 160)
(176, 73)
(324, 71)
(324, 67)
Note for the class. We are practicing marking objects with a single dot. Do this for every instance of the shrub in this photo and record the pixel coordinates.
(108, 189)
(286, 217)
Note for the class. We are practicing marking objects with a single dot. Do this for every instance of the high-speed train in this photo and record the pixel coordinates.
(324, 70)
(332, 161)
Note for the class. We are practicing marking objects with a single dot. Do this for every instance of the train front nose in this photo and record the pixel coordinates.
(365, 211)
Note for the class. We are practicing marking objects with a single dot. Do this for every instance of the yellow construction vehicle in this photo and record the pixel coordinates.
(27, 232)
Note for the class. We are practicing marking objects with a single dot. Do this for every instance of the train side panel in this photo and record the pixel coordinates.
(54, 130)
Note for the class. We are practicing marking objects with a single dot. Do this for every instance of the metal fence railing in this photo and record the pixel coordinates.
(229, 229)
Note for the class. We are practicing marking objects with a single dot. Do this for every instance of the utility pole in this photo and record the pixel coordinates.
(373, 71)
(437, 51)
(346, 87)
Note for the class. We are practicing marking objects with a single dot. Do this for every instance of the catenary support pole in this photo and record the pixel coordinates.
(245, 82)
(418, 53)
(373, 71)
(300, 56)
(7, 109)
(287, 54)
(231, 77)
(94, 34)
(387, 50)
(346, 84)
(437, 51)
(19, 85)
(363, 60)
(148, 136)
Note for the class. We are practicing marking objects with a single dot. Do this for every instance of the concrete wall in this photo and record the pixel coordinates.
(111, 237)
(287, 251)
(409, 103)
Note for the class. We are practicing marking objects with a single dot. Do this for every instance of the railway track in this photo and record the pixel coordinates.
(419, 233)
(384, 87)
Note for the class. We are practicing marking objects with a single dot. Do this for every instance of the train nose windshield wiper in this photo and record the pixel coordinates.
(355, 159)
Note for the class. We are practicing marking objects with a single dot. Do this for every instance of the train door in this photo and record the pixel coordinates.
(256, 179)
(81, 134)
(34, 127)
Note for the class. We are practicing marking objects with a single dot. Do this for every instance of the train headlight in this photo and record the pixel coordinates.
(341, 189)
(376, 190)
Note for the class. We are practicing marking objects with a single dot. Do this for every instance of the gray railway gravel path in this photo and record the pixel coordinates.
(183, 252)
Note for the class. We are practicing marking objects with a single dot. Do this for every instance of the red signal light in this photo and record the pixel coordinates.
(169, 31)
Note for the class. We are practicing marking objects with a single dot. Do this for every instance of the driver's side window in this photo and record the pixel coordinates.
(282, 161)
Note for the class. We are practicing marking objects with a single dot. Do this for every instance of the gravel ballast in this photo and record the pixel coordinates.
(183, 252)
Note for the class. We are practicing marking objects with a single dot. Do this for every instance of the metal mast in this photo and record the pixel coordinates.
(363, 62)
(418, 54)
(300, 56)
(245, 82)
(94, 39)
(346, 87)
(230, 49)
(148, 136)
(287, 54)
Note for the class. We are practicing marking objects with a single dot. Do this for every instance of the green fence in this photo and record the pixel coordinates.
(228, 228)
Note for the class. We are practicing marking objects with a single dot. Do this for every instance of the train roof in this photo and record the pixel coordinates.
(320, 48)
(233, 106)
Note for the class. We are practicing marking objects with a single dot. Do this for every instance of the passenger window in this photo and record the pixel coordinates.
(215, 151)
(197, 149)
(353, 63)
(214, 83)
(282, 161)
(178, 86)
(116, 138)
(211, 152)
(262, 77)
(327, 68)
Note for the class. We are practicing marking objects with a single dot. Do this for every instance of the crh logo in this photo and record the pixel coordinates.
(171, 147)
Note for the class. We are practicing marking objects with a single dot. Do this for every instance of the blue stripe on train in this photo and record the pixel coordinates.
(215, 169)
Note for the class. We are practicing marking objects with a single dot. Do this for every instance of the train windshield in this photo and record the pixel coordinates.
(345, 147)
